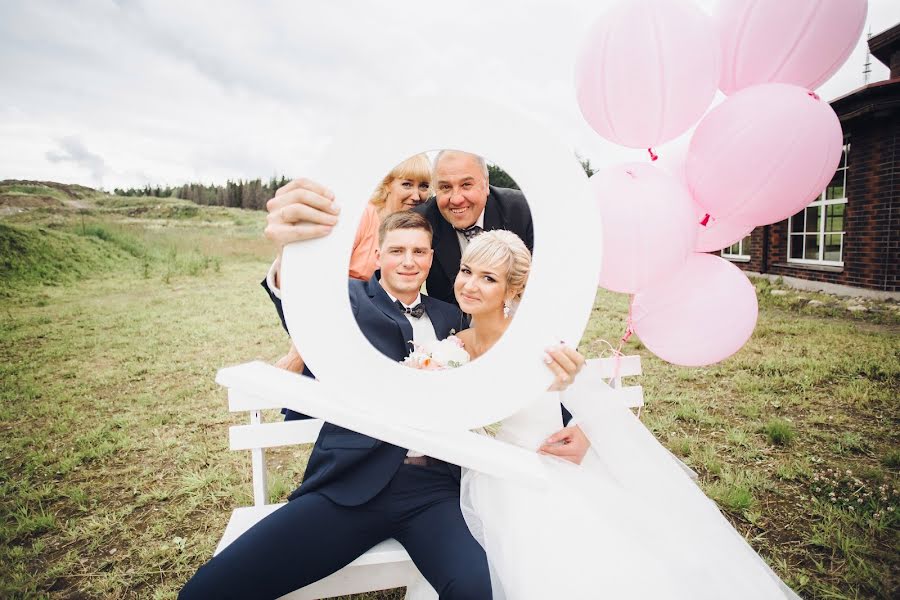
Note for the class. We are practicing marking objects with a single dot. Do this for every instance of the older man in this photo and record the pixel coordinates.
(464, 205)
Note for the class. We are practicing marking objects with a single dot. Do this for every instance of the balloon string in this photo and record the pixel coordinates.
(629, 325)
(653, 156)
(705, 220)
(629, 329)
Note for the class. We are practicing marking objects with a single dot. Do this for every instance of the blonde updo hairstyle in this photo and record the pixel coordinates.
(416, 167)
(504, 251)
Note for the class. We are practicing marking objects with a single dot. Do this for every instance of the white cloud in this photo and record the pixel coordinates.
(72, 150)
(172, 91)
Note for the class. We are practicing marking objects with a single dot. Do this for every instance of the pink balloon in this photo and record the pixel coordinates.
(763, 154)
(699, 315)
(716, 235)
(648, 71)
(801, 42)
(647, 221)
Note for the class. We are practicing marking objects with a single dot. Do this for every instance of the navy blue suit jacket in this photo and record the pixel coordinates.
(348, 467)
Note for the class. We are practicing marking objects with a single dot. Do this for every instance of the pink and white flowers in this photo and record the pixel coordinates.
(435, 356)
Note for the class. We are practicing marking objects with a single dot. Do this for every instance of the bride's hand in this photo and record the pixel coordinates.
(565, 362)
(569, 443)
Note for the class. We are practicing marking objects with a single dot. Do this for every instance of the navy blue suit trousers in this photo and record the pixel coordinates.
(311, 537)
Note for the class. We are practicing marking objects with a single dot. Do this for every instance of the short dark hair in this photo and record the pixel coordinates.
(404, 219)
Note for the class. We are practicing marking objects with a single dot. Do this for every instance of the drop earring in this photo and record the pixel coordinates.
(506, 309)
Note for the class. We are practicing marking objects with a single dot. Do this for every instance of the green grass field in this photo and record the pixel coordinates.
(117, 481)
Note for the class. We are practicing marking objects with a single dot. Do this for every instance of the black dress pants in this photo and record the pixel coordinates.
(311, 537)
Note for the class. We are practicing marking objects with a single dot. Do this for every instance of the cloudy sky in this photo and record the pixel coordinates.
(122, 93)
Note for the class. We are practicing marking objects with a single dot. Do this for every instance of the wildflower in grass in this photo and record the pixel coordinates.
(841, 489)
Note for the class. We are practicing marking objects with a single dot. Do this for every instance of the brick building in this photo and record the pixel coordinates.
(848, 239)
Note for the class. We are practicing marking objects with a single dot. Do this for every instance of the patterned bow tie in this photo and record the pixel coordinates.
(471, 232)
(416, 311)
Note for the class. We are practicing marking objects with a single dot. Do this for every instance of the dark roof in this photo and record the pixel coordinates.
(879, 97)
(883, 45)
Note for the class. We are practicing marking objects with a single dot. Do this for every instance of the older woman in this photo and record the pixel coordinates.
(407, 185)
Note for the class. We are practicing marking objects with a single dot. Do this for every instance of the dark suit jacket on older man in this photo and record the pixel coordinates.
(504, 209)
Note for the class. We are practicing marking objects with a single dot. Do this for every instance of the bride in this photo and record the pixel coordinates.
(627, 522)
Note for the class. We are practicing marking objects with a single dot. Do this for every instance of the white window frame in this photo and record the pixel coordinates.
(742, 255)
(821, 233)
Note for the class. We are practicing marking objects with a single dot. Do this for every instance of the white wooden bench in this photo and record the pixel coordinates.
(387, 565)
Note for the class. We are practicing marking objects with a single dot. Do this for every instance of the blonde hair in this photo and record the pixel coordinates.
(501, 249)
(416, 167)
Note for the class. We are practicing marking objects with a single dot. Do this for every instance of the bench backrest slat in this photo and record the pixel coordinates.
(628, 366)
(272, 435)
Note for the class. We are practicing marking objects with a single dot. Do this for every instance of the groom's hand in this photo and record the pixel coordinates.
(569, 443)
(292, 361)
(300, 210)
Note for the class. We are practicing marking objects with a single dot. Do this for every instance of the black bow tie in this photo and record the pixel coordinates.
(471, 232)
(416, 311)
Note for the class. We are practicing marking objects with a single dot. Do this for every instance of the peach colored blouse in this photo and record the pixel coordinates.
(362, 260)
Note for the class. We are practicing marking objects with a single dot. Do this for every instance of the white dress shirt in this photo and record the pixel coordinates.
(423, 328)
(463, 242)
(270, 280)
(423, 332)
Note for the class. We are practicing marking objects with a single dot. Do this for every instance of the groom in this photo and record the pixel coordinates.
(358, 491)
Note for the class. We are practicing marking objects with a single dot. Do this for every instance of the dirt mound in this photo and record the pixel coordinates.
(46, 188)
(28, 201)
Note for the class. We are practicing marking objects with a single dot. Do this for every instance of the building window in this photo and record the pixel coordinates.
(739, 251)
(816, 233)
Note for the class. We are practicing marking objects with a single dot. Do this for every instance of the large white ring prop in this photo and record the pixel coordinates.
(557, 302)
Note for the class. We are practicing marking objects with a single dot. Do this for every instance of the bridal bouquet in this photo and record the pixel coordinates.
(435, 356)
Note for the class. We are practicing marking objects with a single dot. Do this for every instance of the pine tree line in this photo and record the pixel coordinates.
(253, 194)
(500, 178)
(250, 194)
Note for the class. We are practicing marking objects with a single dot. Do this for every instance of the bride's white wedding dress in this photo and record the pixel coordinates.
(627, 523)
